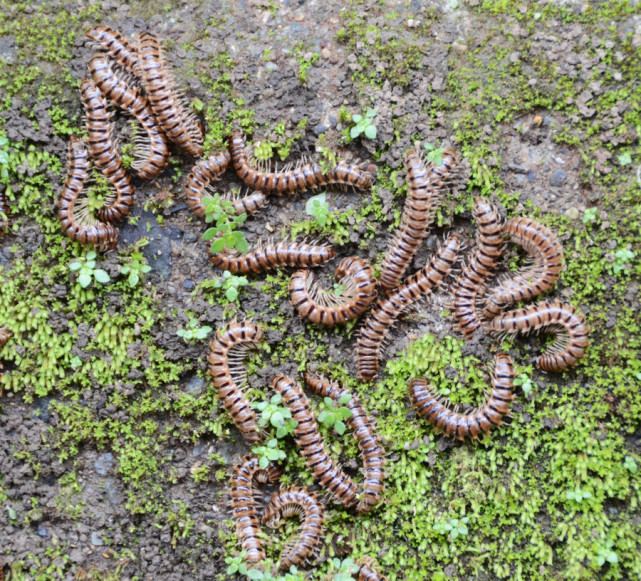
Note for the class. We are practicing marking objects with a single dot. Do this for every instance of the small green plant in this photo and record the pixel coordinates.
(332, 416)
(454, 527)
(364, 124)
(630, 464)
(193, 331)
(590, 215)
(230, 284)
(343, 570)
(270, 452)
(317, 206)
(526, 383)
(221, 212)
(135, 268)
(433, 154)
(625, 159)
(87, 271)
(621, 258)
(278, 416)
(263, 151)
(578, 495)
(605, 553)
(258, 575)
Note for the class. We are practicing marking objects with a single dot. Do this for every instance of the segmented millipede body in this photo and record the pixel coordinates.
(368, 442)
(439, 412)
(299, 179)
(547, 255)
(323, 308)
(273, 256)
(152, 152)
(180, 125)
(481, 268)
(288, 502)
(311, 444)
(118, 47)
(104, 153)
(250, 203)
(75, 218)
(5, 210)
(202, 175)
(425, 185)
(226, 354)
(5, 335)
(563, 319)
(367, 571)
(242, 500)
(390, 308)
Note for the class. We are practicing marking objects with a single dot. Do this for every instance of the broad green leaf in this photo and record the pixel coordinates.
(84, 279)
(339, 426)
(133, 279)
(370, 132)
(101, 276)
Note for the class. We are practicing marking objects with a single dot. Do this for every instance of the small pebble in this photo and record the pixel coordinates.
(572, 213)
(188, 284)
(559, 177)
(320, 129)
(96, 539)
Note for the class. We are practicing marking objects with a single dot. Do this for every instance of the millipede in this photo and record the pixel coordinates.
(546, 253)
(562, 319)
(482, 419)
(367, 572)
(293, 501)
(151, 154)
(482, 266)
(425, 187)
(245, 514)
(273, 256)
(320, 307)
(75, 218)
(388, 309)
(249, 203)
(368, 442)
(105, 155)
(312, 448)
(201, 176)
(180, 125)
(299, 179)
(118, 47)
(226, 355)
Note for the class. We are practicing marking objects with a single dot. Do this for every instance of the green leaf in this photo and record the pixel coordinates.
(231, 294)
(84, 279)
(75, 266)
(345, 398)
(371, 113)
(133, 279)
(255, 573)
(263, 462)
(370, 132)
(210, 234)
(354, 132)
(625, 159)
(218, 245)
(242, 245)
(611, 557)
(339, 426)
(101, 276)
(4, 157)
(357, 118)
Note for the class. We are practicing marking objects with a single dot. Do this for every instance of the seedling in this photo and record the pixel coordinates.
(193, 331)
(621, 258)
(589, 215)
(605, 553)
(364, 124)
(276, 415)
(525, 381)
(630, 464)
(625, 159)
(578, 495)
(135, 268)
(87, 271)
(258, 575)
(434, 154)
(270, 452)
(454, 527)
(344, 569)
(222, 213)
(332, 416)
(263, 151)
(318, 207)
(230, 284)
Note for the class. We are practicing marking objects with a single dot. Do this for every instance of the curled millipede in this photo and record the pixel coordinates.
(105, 155)
(367, 571)
(179, 124)
(311, 444)
(273, 256)
(547, 255)
(75, 217)
(117, 46)
(388, 309)
(4, 211)
(368, 442)
(226, 354)
(152, 152)
(323, 308)
(479, 421)
(288, 502)
(555, 317)
(299, 179)
(489, 249)
(425, 185)
(242, 500)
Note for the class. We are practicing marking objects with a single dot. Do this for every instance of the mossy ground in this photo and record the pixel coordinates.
(554, 494)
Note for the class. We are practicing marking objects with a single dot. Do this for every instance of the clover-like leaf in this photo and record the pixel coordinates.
(101, 276)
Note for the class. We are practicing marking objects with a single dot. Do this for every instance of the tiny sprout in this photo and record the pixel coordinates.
(193, 332)
(454, 527)
(135, 268)
(263, 151)
(525, 382)
(318, 207)
(630, 464)
(364, 124)
(578, 495)
(434, 154)
(270, 452)
(625, 159)
(333, 416)
(278, 416)
(605, 553)
(230, 284)
(87, 271)
(589, 215)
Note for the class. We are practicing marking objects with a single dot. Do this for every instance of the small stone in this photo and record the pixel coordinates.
(195, 385)
(189, 284)
(572, 213)
(199, 448)
(559, 177)
(326, 53)
(104, 464)
(270, 66)
(411, 23)
(320, 129)
(43, 531)
(96, 539)
(531, 176)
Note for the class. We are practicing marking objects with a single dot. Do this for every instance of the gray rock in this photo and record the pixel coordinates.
(320, 129)
(559, 177)
(188, 284)
(195, 385)
(96, 539)
(104, 464)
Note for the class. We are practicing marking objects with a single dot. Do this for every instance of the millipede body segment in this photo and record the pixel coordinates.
(201, 176)
(118, 47)
(310, 442)
(226, 354)
(289, 502)
(567, 322)
(390, 308)
(425, 185)
(367, 572)
(480, 421)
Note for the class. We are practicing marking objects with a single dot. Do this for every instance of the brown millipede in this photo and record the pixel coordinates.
(226, 353)
(273, 256)
(310, 442)
(547, 254)
(367, 571)
(201, 176)
(179, 124)
(425, 186)
(105, 154)
(299, 179)
(116, 45)
(480, 421)
(152, 152)
(323, 308)
(75, 217)
(368, 442)
(389, 308)
(556, 317)
(288, 502)
(489, 249)
(242, 500)
(249, 203)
